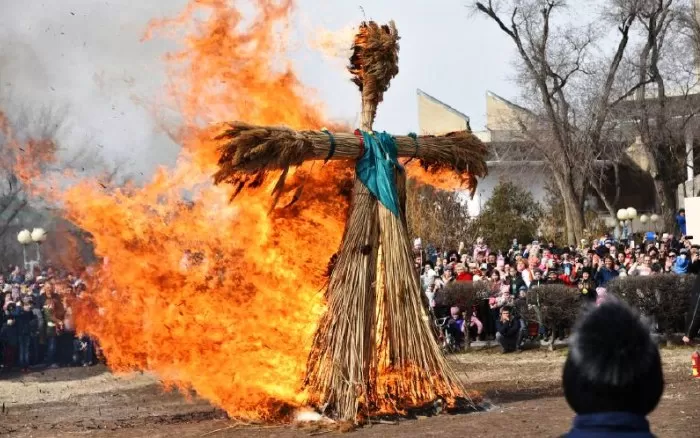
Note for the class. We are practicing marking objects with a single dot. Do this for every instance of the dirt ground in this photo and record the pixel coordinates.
(522, 392)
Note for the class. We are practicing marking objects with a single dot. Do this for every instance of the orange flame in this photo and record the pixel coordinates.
(216, 296)
(443, 179)
(25, 158)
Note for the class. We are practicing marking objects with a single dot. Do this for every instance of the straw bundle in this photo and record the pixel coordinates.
(374, 63)
(407, 342)
(338, 370)
(249, 152)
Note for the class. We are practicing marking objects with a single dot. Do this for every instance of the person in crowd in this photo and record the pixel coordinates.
(496, 283)
(587, 288)
(16, 276)
(669, 261)
(83, 351)
(623, 260)
(643, 270)
(428, 276)
(537, 279)
(515, 281)
(475, 327)
(458, 327)
(455, 326)
(612, 382)
(480, 249)
(694, 267)
(27, 324)
(9, 336)
(462, 273)
(444, 280)
(475, 270)
(37, 335)
(680, 221)
(53, 315)
(491, 264)
(509, 331)
(681, 262)
(606, 272)
(439, 267)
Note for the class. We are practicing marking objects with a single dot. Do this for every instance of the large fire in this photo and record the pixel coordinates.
(217, 296)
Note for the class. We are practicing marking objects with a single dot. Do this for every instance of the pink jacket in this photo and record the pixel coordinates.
(480, 248)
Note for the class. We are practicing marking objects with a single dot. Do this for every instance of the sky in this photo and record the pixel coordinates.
(87, 58)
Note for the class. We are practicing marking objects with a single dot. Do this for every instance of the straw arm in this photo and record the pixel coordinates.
(251, 149)
(428, 148)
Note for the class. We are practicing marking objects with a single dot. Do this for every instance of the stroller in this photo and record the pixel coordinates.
(446, 336)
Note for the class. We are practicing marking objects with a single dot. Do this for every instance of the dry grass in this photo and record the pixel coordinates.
(543, 366)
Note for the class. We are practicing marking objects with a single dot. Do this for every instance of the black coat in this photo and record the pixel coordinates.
(8, 334)
(26, 322)
(508, 329)
(515, 284)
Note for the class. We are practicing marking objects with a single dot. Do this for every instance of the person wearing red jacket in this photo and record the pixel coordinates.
(463, 274)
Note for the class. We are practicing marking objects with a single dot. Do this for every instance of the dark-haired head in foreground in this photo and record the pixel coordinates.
(612, 377)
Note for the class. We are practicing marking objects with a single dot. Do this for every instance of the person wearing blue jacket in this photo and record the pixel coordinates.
(680, 220)
(606, 272)
(613, 377)
(680, 266)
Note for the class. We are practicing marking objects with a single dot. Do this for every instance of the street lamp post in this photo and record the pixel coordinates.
(644, 219)
(622, 216)
(25, 238)
(38, 237)
(655, 220)
(631, 216)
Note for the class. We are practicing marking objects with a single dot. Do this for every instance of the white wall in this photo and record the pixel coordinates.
(530, 176)
(692, 218)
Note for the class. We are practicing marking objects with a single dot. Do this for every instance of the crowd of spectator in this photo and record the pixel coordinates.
(510, 274)
(37, 328)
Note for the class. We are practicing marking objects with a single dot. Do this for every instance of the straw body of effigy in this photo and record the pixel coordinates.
(373, 351)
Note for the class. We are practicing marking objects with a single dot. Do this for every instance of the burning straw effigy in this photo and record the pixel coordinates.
(374, 351)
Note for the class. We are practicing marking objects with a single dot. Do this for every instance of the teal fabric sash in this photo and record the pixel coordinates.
(376, 168)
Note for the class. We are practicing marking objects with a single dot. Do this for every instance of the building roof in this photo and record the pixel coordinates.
(515, 106)
(443, 104)
(681, 105)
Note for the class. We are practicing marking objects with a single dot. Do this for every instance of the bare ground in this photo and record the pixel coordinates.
(523, 391)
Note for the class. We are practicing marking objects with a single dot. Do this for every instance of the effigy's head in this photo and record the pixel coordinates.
(375, 58)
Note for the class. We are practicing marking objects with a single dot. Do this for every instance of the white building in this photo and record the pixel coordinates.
(509, 159)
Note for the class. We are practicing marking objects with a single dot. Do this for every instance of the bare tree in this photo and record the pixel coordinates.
(577, 85)
(666, 100)
(24, 154)
(438, 217)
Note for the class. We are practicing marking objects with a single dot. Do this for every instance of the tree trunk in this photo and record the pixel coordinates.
(572, 207)
(666, 204)
(570, 236)
(609, 205)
